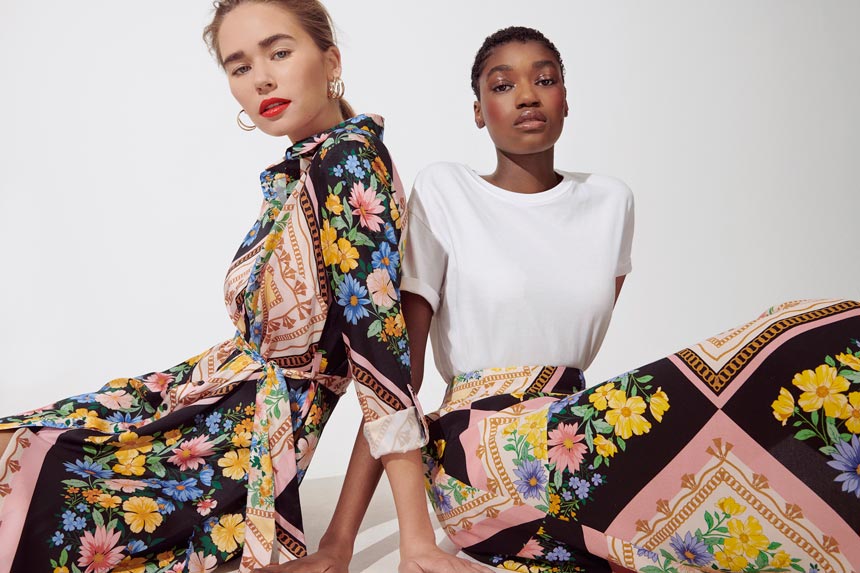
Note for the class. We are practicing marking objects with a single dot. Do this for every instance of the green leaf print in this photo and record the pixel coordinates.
(602, 426)
(97, 518)
(374, 328)
(804, 434)
(832, 432)
(156, 467)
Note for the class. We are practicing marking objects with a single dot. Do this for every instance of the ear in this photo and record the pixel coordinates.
(479, 115)
(331, 57)
(566, 107)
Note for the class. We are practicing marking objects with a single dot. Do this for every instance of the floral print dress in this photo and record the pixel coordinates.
(737, 454)
(186, 468)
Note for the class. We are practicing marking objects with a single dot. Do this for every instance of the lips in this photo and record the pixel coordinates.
(273, 107)
(530, 118)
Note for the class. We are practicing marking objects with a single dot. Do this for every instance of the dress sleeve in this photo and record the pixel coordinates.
(625, 264)
(363, 220)
(425, 259)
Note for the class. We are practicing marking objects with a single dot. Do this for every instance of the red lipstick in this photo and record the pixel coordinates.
(273, 107)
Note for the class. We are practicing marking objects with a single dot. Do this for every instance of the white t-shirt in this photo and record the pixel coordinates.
(516, 279)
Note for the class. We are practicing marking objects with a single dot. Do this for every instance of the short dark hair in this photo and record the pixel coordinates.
(506, 36)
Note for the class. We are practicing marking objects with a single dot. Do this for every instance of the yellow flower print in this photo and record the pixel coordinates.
(783, 406)
(730, 561)
(659, 404)
(131, 441)
(851, 412)
(746, 538)
(604, 447)
(315, 415)
(61, 570)
(380, 169)
(131, 565)
(92, 495)
(822, 388)
(241, 440)
(229, 532)
(247, 424)
(118, 383)
(730, 506)
(130, 463)
(395, 215)
(534, 427)
(93, 422)
(601, 396)
(272, 241)
(235, 463)
(79, 413)
(165, 559)
(780, 560)
(323, 364)
(348, 255)
(172, 436)
(554, 503)
(97, 439)
(333, 204)
(440, 447)
(509, 429)
(328, 238)
(626, 414)
(141, 513)
(394, 325)
(849, 360)
(109, 501)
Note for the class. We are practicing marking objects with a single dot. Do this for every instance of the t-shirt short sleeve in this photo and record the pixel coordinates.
(425, 259)
(625, 264)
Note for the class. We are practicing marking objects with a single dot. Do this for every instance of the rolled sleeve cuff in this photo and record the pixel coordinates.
(400, 432)
(624, 268)
(422, 289)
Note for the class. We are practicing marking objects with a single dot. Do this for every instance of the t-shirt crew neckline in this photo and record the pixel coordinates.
(565, 186)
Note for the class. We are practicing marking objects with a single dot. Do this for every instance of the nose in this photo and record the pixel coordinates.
(527, 96)
(264, 82)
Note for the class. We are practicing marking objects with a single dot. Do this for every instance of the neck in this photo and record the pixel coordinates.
(533, 173)
(328, 117)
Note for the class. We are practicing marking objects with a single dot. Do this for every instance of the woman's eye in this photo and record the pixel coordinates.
(281, 54)
(546, 82)
(502, 88)
(241, 70)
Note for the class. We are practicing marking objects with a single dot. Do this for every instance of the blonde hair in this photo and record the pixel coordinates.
(312, 15)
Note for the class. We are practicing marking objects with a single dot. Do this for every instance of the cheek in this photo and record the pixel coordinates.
(240, 93)
(494, 109)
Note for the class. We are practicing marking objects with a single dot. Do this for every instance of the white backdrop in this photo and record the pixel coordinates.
(125, 185)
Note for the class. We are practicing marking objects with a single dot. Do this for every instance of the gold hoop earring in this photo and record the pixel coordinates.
(244, 126)
(336, 88)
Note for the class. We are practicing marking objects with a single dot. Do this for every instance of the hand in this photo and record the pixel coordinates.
(323, 561)
(437, 561)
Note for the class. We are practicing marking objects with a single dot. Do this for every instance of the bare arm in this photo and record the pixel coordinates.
(418, 550)
(619, 282)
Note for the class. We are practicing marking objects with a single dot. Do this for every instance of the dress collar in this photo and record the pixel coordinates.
(369, 123)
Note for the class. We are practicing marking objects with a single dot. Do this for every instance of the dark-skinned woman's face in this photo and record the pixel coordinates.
(523, 99)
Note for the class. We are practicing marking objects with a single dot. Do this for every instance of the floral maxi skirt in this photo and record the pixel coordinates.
(740, 453)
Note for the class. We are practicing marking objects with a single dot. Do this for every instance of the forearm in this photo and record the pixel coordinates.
(362, 477)
(406, 476)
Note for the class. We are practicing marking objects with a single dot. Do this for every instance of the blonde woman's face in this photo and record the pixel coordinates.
(276, 71)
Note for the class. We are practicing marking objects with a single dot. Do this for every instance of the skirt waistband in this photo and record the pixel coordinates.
(518, 381)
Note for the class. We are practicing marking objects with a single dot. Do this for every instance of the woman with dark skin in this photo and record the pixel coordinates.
(528, 472)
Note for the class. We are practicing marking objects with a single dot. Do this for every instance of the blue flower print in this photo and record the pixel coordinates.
(390, 236)
(558, 554)
(597, 479)
(252, 235)
(352, 296)
(580, 486)
(532, 479)
(87, 469)
(136, 546)
(385, 258)
(337, 171)
(72, 522)
(185, 490)
(405, 359)
(57, 539)
(212, 422)
(209, 524)
(442, 499)
(124, 418)
(690, 549)
(352, 164)
(206, 475)
(165, 506)
(846, 459)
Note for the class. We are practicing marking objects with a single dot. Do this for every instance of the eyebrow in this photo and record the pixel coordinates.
(264, 43)
(537, 65)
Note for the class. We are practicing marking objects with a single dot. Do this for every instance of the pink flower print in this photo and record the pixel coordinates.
(366, 205)
(99, 552)
(115, 399)
(567, 447)
(531, 549)
(158, 382)
(191, 453)
(205, 506)
(381, 288)
(199, 563)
